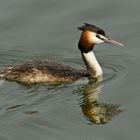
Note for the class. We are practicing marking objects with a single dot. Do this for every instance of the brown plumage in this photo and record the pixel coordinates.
(85, 41)
(39, 71)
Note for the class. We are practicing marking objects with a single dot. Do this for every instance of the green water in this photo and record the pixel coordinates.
(46, 29)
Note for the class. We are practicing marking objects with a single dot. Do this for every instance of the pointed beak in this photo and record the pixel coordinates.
(113, 42)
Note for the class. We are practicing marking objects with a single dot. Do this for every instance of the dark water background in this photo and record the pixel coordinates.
(46, 29)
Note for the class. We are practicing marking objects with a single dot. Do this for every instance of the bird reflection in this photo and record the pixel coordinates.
(96, 112)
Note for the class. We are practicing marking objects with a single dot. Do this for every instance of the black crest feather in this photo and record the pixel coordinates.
(92, 28)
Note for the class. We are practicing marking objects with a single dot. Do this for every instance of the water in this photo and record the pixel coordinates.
(46, 29)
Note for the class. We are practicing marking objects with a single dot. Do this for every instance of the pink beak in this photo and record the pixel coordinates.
(113, 42)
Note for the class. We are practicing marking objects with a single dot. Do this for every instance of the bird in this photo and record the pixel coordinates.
(45, 71)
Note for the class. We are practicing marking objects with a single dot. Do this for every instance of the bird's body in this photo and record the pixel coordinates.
(38, 71)
(42, 71)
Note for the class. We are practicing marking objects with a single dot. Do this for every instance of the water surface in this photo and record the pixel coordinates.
(46, 29)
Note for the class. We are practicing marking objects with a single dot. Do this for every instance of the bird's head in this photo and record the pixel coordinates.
(92, 35)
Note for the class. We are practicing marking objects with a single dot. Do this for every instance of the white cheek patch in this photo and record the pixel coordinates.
(95, 39)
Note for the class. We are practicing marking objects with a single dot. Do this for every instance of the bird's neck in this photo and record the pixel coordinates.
(92, 64)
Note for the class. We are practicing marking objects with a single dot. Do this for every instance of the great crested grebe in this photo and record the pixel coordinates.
(38, 71)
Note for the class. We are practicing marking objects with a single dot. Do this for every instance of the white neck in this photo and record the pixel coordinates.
(92, 64)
